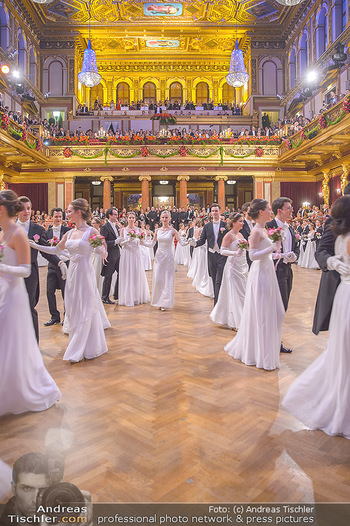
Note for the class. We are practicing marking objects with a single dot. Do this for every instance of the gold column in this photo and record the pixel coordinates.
(183, 190)
(344, 178)
(2, 182)
(145, 180)
(221, 190)
(325, 186)
(106, 191)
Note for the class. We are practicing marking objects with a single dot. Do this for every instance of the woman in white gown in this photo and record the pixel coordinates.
(199, 252)
(85, 316)
(133, 286)
(258, 340)
(163, 280)
(25, 383)
(145, 250)
(182, 252)
(229, 307)
(308, 259)
(96, 259)
(320, 397)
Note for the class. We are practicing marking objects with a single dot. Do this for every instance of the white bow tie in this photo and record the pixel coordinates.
(216, 222)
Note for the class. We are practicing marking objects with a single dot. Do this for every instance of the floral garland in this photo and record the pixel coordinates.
(165, 118)
(322, 122)
(259, 152)
(5, 121)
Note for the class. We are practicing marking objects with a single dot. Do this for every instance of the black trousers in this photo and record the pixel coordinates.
(110, 269)
(284, 275)
(53, 283)
(32, 286)
(216, 265)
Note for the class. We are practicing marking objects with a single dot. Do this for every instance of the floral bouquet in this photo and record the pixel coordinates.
(1, 252)
(141, 235)
(275, 234)
(36, 238)
(96, 240)
(54, 241)
(346, 105)
(297, 237)
(318, 235)
(243, 244)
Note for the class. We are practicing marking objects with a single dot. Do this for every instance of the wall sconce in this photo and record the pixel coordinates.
(338, 191)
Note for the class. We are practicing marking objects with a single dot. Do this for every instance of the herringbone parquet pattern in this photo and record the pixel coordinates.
(166, 415)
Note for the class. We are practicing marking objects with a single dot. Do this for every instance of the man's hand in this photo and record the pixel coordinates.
(63, 268)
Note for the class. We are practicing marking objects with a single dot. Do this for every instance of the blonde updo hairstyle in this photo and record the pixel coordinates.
(82, 205)
(234, 218)
(10, 201)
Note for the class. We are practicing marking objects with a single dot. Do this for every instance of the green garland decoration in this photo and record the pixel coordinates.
(176, 152)
(298, 143)
(239, 156)
(338, 119)
(315, 129)
(87, 156)
(31, 146)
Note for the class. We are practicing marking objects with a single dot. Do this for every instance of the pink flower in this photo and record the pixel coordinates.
(222, 229)
(36, 238)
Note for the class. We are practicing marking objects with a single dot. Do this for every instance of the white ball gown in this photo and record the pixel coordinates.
(320, 396)
(308, 259)
(133, 286)
(85, 317)
(182, 252)
(25, 383)
(163, 280)
(229, 307)
(258, 340)
(96, 261)
(202, 282)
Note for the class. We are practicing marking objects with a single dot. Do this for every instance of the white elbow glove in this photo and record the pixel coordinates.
(183, 242)
(148, 243)
(63, 268)
(101, 251)
(57, 251)
(18, 271)
(226, 252)
(122, 241)
(255, 254)
(192, 242)
(290, 257)
(335, 263)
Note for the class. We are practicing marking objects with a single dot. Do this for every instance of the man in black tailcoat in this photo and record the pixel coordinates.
(331, 268)
(54, 279)
(110, 232)
(247, 227)
(152, 218)
(175, 218)
(213, 233)
(32, 282)
(282, 208)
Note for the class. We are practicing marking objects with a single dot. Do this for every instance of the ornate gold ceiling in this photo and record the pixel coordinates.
(208, 11)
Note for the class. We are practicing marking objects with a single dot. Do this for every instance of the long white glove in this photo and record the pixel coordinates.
(183, 242)
(192, 242)
(226, 252)
(57, 251)
(122, 241)
(148, 243)
(335, 263)
(290, 257)
(64, 269)
(19, 271)
(101, 251)
(255, 254)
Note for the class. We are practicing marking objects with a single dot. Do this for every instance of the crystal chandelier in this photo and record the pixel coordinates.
(89, 75)
(43, 1)
(289, 3)
(237, 75)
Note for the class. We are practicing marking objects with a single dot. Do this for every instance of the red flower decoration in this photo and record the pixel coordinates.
(38, 145)
(303, 135)
(67, 152)
(24, 135)
(144, 151)
(259, 152)
(289, 144)
(4, 122)
(346, 105)
(322, 122)
(183, 151)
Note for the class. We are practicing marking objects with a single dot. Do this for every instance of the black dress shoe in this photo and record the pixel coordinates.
(108, 302)
(285, 350)
(51, 322)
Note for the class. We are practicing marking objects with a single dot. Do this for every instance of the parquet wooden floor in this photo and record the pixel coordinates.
(167, 416)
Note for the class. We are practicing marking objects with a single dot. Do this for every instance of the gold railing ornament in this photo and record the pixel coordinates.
(325, 187)
(344, 178)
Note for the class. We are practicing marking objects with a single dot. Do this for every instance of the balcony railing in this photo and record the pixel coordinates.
(329, 118)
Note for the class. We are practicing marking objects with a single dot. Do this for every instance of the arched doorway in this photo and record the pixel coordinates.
(123, 93)
(175, 92)
(149, 92)
(202, 93)
(228, 94)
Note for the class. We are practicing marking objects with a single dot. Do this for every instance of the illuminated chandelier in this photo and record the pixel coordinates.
(43, 1)
(237, 75)
(289, 3)
(89, 75)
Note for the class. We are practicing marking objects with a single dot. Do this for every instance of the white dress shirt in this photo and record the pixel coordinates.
(24, 225)
(216, 229)
(56, 230)
(114, 227)
(286, 237)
